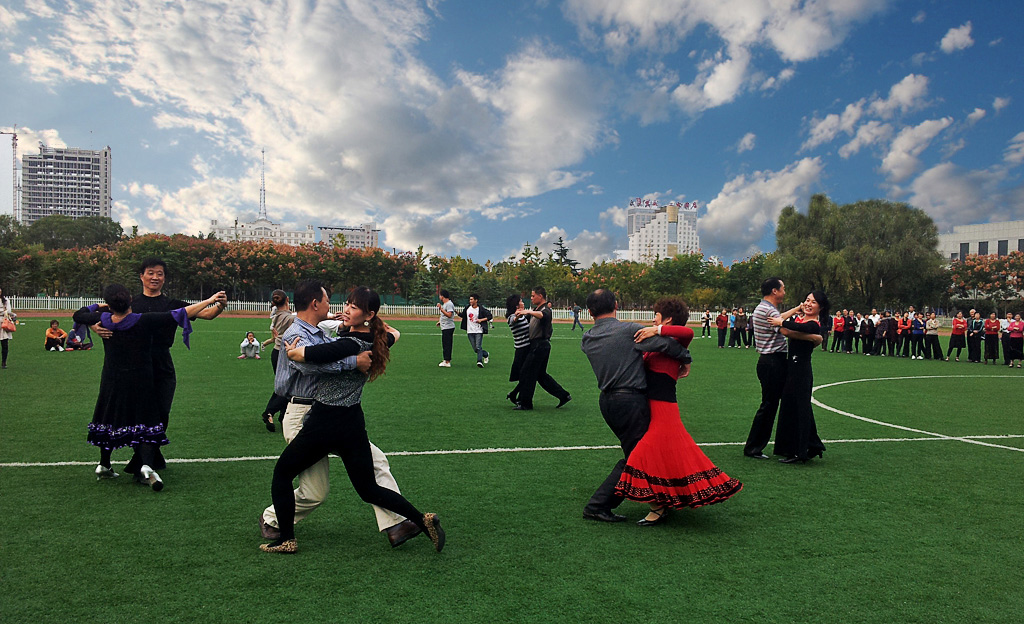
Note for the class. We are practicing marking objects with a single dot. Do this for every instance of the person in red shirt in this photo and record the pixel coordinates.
(1016, 328)
(903, 338)
(838, 325)
(958, 339)
(991, 338)
(722, 323)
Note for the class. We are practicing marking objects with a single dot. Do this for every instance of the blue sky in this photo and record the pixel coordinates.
(473, 127)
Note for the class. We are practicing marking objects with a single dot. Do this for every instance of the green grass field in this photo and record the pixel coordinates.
(921, 524)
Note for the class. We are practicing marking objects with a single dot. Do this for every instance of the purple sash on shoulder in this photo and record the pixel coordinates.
(126, 323)
(181, 318)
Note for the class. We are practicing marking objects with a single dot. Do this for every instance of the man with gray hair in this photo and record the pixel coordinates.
(619, 366)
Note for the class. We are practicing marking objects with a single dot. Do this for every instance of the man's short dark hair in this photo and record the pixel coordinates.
(150, 263)
(601, 301)
(475, 296)
(540, 291)
(306, 292)
(444, 293)
(769, 285)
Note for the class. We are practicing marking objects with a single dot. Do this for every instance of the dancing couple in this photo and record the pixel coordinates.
(637, 369)
(784, 370)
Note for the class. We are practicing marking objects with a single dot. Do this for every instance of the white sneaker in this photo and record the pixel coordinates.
(148, 475)
(53, 348)
(102, 472)
(479, 364)
(487, 359)
(445, 365)
(60, 348)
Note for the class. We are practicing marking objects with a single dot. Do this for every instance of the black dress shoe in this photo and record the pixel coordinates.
(662, 516)
(563, 401)
(521, 408)
(603, 515)
(793, 460)
(402, 532)
(511, 397)
(756, 456)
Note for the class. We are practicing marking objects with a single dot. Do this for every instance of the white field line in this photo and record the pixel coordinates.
(530, 449)
(939, 436)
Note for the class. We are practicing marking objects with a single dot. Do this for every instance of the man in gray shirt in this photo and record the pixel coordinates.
(618, 364)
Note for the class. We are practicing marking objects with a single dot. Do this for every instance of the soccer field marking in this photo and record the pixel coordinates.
(940, 436)
(521, 449)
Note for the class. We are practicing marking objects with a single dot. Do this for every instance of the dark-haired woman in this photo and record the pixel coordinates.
(666, 469)
(335, 423)
(281, 318)
(520, 326)
(958, 337)
(796, 435)
(5, 336)
(127, 412)
(975, 334)
(991, 338)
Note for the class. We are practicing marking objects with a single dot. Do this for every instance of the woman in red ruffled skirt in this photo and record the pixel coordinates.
(667, 469)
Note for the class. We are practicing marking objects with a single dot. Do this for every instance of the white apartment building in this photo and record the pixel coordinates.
(982, 239)
(366, 236)
(66, 181)
(262, 229)
(661, 231)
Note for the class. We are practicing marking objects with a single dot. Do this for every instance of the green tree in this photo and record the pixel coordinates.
(561, 257)
(63, 232)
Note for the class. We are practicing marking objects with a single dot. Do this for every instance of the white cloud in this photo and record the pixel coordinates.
(995, 42)
(827, 129)
(1000, 103)
(616, 215)
(955, 196)
(975, 116)
(869, 133)
(747, 208)
(746, 143)
(1014, 153)
(901, 162)
(586, 247)
(919, 17)
(775, 82)
(957, 39)
(29, 140)
(795, 31)
(908, 94)
(9, 21)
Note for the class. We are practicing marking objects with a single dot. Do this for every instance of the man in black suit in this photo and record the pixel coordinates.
(618, 364)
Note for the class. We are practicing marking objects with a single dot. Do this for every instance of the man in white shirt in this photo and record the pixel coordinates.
(475, 319)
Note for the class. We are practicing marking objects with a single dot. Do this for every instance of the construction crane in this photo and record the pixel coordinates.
(14, 170)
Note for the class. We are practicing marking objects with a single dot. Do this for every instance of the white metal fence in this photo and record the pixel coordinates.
(70, 304)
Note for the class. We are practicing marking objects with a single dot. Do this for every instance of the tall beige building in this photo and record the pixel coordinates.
(65, 181)
(661, 231)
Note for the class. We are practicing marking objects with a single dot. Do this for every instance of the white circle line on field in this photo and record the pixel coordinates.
(940, 436)
(211, 460)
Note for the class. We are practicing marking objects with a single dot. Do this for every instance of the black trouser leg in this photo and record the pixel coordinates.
(1005, 340)
(771, 372)
(628, 415)
(3, 350)
(721, 338)
(837, 339)
(824, 342)
(105, 457)
(534, 371)
(447, 335)
(869, 343)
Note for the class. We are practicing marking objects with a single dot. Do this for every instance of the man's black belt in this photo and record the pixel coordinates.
(776, 354)
(622, 391)
(300, 400)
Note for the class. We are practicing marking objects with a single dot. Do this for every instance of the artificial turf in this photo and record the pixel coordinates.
(893, 525)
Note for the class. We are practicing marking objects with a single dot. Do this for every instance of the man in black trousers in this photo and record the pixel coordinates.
(770, 342)
(618, 364)
(535, 365)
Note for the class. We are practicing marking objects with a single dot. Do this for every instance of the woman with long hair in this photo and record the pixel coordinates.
(335, 423)
(796, 435)
(6, 315)
(520, 326)
(667, 469)
(281, 318)
(127, 413)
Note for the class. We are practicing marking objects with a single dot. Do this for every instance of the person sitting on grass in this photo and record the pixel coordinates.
(250, 347)
(55, 337)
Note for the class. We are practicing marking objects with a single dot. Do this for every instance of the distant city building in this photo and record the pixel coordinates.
(982, 239)
(65, 181)
(366, 236)
(656, 231)
(262, 229)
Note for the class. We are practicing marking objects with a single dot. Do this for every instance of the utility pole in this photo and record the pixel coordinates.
(15, 208)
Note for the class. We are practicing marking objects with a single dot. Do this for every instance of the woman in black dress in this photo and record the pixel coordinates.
(520, 326)
(126, 412)
(796, 436)
(335, 423)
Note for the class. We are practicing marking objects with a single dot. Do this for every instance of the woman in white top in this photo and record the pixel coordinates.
(6, 315)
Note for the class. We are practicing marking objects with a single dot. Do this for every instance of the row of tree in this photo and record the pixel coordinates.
(870, 254)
